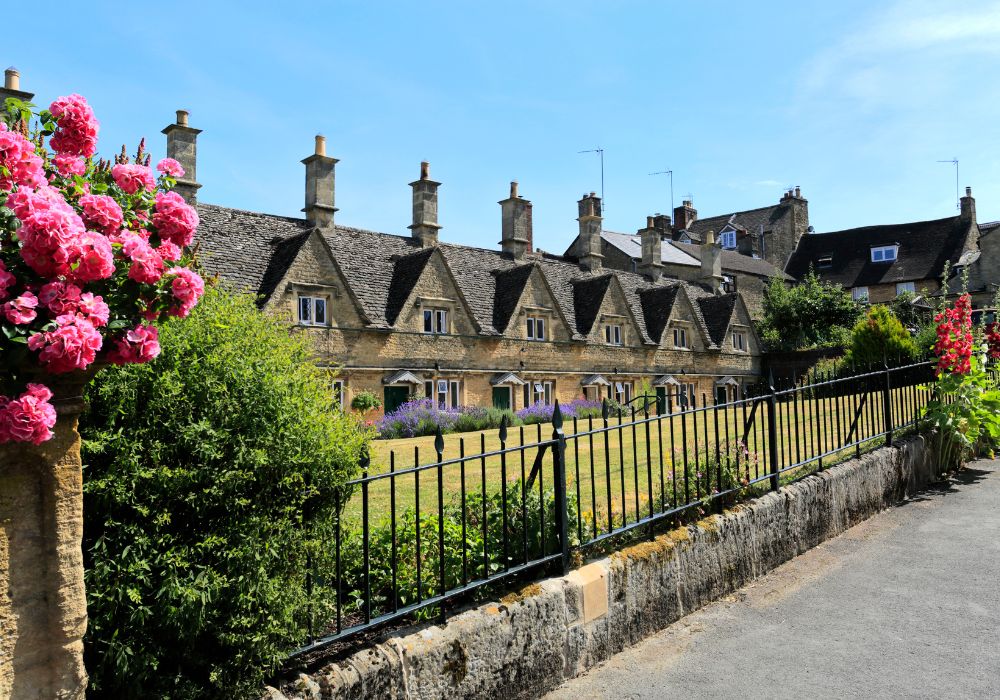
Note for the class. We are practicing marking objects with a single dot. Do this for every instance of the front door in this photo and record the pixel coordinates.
(395, 396)
(501, 397)
(720, 394)
(661, 400)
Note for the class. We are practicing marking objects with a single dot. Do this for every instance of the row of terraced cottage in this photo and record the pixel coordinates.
(670, 307)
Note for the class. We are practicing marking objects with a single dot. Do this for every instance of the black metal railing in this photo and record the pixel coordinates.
(481, 511)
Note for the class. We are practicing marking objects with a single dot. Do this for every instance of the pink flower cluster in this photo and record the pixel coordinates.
(28, 418)
(76, 130)
(23, 166)
(953, 346)
(72, 234)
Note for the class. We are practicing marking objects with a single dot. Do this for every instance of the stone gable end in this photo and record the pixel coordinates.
(615, 309)
(536, 299)
(435, 288)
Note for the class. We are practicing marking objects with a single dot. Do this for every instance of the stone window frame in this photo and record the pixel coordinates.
(687, 329)
(436, 306)
(860, 294)
(315, 291)
(743, 332)
(534, 315)
(454, 391)
(627, 390)
(609, 322)
(547, 392)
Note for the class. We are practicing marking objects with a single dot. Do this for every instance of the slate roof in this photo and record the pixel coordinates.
(253, 251)
(753, 220)
(924, 247)
(718, 312)
(677, 253)
(734, 261)
(657, 303)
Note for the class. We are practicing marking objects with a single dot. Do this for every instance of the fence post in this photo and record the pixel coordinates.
(772, 431)
(559, 477)
(887, 402)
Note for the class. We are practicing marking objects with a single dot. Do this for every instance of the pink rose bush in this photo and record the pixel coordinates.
(92, 256)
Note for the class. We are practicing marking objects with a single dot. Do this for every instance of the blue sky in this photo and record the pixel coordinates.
(853, 101)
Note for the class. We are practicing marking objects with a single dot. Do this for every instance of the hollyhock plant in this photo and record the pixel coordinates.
(83, 245)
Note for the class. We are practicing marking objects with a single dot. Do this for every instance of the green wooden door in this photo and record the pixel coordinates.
(395, 396)
(501, 397)
(661, 400)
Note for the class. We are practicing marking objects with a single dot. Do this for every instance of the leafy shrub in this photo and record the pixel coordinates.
(523, 530)
(880, 337)
(366, 401)
(811, 314)
(199, 466)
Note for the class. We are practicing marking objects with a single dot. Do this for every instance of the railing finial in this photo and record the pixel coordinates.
(557, 417)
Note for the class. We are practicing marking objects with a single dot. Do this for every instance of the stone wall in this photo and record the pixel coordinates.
(526, 644)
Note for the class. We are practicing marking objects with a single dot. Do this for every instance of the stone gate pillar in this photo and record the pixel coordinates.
(43, 608)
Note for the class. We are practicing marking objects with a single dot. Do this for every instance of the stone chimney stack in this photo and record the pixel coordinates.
(711, 263)
(589, 208)
(182, 146)
(685, 215)
(968, 207)
(425, 225)
(661, 222)
(12, 88)
(516, 234)
(320, 186)
(651, 264)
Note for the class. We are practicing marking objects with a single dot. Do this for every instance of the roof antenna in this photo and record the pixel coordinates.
(958, 200)
(600, 152)
(671, 174)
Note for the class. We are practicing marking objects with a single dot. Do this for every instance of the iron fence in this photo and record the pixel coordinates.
(481, 511)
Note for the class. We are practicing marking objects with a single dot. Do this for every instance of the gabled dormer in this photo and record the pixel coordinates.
(305, 281)
(603, 314)
(684, 329)
(525, 306)
(424, 296)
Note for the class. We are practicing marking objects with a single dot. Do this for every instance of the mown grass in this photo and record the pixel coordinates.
(615, 472)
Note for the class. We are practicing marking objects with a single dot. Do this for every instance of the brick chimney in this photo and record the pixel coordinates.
(425, 225)
(661, 222)
(651, 264)
(12, 88)
(516, 234)
(320, 186)
(685, 215)
(968, 207)
(711, 262)
(182, 146)
(589, 208)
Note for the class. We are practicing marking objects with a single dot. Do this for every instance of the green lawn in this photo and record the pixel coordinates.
(615, 467)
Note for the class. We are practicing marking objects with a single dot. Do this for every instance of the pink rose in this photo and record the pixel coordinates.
(29, 418)
(24, 167)
(70, 165)
(21, 310)
(169, 251)
(71, 346)
(95, 259)
(7, 280)
(76, 130)
(147, 266)
(132, 178)
(51, 232)
(169, 166)
(175, 220)
(187, 287)
(60, 298)
(141, 344)
(93, 309)
(102, 213)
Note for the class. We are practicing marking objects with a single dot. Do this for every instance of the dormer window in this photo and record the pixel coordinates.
(613, 334)
(436, 321)
(727, 239)
(883, 253)
(824, 263)
(535, 328)
(312, 311)
(680, 338)
(739, 341)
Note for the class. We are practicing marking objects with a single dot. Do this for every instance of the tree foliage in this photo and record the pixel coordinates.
(199, 468)
(810, 314)
(880, 337)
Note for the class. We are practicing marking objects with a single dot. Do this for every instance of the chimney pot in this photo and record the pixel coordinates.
(12, 79)
(513, 189)
(182, 117)
(320, 145)
(968, 191)
(649, 222)
(425, 170)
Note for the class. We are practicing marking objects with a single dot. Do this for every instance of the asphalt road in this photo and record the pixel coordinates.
(907, 604)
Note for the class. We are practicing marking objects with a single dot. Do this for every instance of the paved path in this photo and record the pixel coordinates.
(907, 604)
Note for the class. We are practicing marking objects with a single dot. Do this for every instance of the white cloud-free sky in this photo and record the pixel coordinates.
(853, 101)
